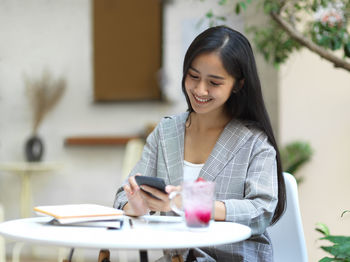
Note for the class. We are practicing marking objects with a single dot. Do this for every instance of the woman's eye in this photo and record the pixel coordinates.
(214, 83)
(193, 76)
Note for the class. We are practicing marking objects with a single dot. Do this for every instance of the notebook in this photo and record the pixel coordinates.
(77, 213)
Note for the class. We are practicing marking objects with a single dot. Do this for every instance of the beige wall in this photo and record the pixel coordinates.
(315, 106)
(267, 73)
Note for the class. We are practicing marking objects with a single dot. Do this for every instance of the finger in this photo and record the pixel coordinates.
(128, 190)
(170, 188)
(153, 208)
(158, 204)
(161, 203)
(155, 192)
(153, 203)
(147, 199)
(132, 182)
(145, 192)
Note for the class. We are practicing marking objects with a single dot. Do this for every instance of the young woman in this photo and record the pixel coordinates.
(225, 136)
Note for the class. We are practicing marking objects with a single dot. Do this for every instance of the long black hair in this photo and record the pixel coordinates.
(246, 100)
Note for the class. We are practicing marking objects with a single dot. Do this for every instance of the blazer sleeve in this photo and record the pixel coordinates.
(146, 166)
(257, 207)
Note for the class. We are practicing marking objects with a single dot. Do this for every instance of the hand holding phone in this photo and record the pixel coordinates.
(155, 182)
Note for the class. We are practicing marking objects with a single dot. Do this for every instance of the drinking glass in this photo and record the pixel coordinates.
(197, 203)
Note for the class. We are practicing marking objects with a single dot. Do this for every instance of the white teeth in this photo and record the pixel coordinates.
(201, 100)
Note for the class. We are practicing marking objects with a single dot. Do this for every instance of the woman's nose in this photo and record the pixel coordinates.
(201, 88)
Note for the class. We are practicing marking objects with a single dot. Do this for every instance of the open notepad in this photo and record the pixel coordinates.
(79, 213)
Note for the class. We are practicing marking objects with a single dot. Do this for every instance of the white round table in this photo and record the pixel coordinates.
(148, 232)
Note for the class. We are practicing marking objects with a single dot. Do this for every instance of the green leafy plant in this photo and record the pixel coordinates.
(340, 250)
(322, 26)
(294, 155)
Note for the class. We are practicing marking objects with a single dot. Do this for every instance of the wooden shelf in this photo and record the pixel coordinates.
(98, 140)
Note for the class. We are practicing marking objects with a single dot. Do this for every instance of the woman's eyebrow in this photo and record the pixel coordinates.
(194, 69)
(212, 76)
(217, 77)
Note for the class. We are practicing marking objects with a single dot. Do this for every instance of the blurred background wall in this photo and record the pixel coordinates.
(314, 106)
(57, 35)
(307, 99)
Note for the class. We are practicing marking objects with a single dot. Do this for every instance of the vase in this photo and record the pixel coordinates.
(34, 149)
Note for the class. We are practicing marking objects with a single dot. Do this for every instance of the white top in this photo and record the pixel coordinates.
(191, 171)
(148, 232)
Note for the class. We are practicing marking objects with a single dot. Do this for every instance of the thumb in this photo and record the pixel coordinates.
(170, 188)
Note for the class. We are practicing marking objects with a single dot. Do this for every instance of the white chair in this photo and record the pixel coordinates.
(133, 152)
(287, 234)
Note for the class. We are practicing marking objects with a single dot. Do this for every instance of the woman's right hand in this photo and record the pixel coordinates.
(136, 206)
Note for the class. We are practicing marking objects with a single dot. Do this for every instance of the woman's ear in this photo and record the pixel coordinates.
(238, 86)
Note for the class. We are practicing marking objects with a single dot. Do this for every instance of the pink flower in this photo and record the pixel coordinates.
(331, 15)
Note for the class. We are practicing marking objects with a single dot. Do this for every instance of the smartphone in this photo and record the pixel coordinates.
(155, 182)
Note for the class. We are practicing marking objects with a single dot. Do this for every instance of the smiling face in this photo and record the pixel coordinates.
(208, 85)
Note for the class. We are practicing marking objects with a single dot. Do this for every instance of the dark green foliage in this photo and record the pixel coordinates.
(347, 49)
(212, 18)
(330, 37)
(242, 5)
(340, 250)
(271, 6)
(276, 44)
(294, 155)
(273, 43)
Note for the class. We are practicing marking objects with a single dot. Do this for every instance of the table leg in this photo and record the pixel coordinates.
(2, 240)
(61, 254)
(2, 250)
(177, 258)
(17, 251)
(143, 256)
(104, 256)
(26, 195)
(70, 256)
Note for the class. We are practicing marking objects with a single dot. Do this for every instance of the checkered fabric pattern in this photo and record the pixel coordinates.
(243, 166)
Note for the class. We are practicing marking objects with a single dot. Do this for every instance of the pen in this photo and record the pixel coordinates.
(116, 227)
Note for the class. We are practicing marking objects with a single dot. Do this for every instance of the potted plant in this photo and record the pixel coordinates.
(43, 94)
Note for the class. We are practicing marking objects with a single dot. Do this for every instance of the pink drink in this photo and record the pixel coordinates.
(197, 217)
(197, 203)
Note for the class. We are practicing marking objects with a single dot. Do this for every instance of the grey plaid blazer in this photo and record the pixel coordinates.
(243, 166)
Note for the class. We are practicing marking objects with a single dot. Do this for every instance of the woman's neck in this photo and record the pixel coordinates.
(205, 122)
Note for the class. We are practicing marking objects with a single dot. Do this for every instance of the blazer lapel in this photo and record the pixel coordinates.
(173, 149)
(232, 138)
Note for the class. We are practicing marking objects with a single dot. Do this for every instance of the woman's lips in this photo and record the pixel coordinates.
(200, 100)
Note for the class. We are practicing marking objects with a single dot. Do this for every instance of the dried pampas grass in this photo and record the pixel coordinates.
(43, 94)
